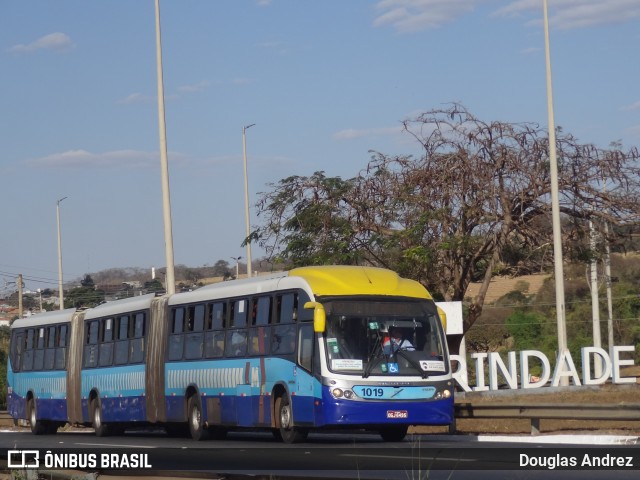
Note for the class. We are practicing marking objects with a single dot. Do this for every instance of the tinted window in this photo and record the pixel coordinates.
(263, 311)
(283, 339)
(236, 344)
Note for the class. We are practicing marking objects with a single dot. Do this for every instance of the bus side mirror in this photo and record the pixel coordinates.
(319, 316)
(443, 318)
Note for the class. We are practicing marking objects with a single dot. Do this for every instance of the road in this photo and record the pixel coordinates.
(322, 456)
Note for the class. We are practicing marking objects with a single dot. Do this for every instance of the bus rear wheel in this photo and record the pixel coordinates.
(102, 429)
(196, 425)
(38, 427)
(394, 434)
(286, 431)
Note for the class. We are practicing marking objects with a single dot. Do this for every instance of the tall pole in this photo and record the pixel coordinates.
(164, 165)
(555, 202)
(60, 289)
(595, 304)
(246, 197)
(40, 293)
(20, 309)
(607, 274)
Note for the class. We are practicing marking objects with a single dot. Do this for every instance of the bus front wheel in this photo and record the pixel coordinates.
(37, 426)
(196, 424)
(285, 427)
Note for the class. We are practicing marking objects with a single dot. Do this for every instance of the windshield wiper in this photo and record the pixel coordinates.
(374, 357)
(412, 362)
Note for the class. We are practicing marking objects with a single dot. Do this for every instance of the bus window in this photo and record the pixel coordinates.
(258, 341)
(283, 339)
(217, 316)
(214, 344)
(106, 342)
(61, 348)
(17, 349)
(178, 320)
(176, 337)
(28, 350)
(236, 343)
(304, 315)
(285, 310)
(50, 352)
(305, 352)
(194, 341)
(239, 313)
(38, 356)
(91, 345)
(198, 318)
(263, 311)
(121, 355)
(136, 343)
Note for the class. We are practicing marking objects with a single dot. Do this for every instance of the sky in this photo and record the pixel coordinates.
(324, 82)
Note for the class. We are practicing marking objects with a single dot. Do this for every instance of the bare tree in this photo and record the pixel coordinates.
(479, 191)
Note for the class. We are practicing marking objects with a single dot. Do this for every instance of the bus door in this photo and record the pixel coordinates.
(305, 383)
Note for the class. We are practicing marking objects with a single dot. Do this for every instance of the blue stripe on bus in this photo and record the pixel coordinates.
(121, 390)
(243, 404)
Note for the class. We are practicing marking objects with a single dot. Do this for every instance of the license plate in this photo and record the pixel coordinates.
(397, 414)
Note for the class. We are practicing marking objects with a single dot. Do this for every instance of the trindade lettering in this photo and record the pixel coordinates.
(520, 378)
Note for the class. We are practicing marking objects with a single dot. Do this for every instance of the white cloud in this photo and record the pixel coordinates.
(570, 14)
(83, 159)
(416, 15)
(197, 87)
(633, 106)
(57, 42)
(352, 133)
(134, 98)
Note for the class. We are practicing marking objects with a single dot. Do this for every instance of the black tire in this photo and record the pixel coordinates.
(101, 428)
(194, 418)
(286, 431)
(394, 434)
(38, 427)
(52, 428)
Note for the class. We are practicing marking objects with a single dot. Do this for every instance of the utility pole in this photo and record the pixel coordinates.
(607, 274)
(20, 295)
(555, 203)
(595, 304)
(246, 197)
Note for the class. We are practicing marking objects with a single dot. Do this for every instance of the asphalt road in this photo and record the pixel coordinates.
(322, 456)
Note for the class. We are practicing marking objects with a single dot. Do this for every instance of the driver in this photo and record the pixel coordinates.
(396, 341)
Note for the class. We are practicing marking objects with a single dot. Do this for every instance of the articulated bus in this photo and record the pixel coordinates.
(315, 348)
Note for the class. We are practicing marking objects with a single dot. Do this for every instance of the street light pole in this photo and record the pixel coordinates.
(237, 259)
(164, 165)
(555, 202)
(246, 197)
(60, 290)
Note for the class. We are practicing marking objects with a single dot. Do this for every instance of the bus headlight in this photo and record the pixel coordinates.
(348, 394)
(438, 396)
(446, 394)
(337, 392)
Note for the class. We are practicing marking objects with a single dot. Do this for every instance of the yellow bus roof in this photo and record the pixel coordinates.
(354, 280)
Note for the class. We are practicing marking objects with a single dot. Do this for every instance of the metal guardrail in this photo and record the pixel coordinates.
(536, 412)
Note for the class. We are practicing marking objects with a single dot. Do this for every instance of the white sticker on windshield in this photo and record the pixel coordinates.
(346, 364)
(432, 365)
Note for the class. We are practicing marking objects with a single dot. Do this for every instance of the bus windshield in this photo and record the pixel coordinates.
(387, 338)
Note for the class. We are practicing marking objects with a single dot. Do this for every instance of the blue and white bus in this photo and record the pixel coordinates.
(309, 349)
